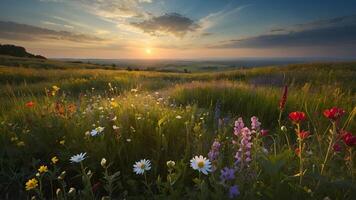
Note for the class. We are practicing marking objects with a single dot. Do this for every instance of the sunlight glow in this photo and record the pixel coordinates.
(148, 51)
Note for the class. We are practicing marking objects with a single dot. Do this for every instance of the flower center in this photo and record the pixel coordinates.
(142, 166)
(201, 164)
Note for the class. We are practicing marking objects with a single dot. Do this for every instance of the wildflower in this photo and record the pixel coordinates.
(239, 124)
(283, 100)
(140, 167)
(201, 164)
(303, 134)
(128, 140)
(30, 104)
(62, 175)
(20, 143)
(62, 142)
(244, 152)
(297, 117)
(227, 174)
(54, 160)
(255, 124)
(31, 184)
(134, 90)
(264, 132)
(297, 151)
(115, 127)
(214, 151)
(170, 164)
(349, 139)
(78, 158)
(72, 191)
(43, 169)
(103, 162)
(337, 147)
(334, 113)
(96, 131)
(58, 192)
(234, 191)
(284, 128)
(178, 117)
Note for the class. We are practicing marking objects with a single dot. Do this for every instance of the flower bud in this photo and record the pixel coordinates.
(58, 192)
(171, 164)
(103, 162)
(283, 128)
(62, 175)
(38, 174)
(71, 191)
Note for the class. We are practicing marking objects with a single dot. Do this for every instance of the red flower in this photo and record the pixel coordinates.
(337, 147)
(264, 132)
(297, 117)
(283, 100)
(297, 151)
(334, 113)
(349, 139)
(30, 104)
(303, 134)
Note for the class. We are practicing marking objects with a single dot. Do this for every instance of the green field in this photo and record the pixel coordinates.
(162, 116)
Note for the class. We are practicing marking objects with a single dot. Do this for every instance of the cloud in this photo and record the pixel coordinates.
(216, 18)
(339, 31)
(171, 23)
(24, 32)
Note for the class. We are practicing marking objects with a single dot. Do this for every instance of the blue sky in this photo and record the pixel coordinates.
(180, 28)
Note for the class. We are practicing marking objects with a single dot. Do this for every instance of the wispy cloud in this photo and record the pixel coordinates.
(215, 18)
(24, 32)
(336, 31)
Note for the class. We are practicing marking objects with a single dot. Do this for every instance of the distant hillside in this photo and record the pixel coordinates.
(12, 50)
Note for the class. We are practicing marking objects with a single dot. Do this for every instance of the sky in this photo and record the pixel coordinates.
(180, 29)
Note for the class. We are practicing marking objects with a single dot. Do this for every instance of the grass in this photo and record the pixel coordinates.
(172, 116)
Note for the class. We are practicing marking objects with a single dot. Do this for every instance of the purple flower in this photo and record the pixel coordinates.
(239, 124)
(214, 152)
(244, 152)
(227, 174)
(234, 191)
(255, 124)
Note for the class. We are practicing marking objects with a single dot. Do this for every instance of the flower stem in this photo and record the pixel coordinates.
(300, 142)
(329, 148)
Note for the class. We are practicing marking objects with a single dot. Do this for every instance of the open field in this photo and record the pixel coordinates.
(58, 109)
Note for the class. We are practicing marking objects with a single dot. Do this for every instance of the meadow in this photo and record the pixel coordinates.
(85, 131)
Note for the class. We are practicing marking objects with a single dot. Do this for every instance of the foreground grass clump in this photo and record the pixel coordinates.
(138, 144)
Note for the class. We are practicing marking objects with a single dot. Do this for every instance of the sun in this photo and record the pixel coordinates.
(148, 51)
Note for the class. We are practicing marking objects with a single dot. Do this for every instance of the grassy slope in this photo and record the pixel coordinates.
(191, 96)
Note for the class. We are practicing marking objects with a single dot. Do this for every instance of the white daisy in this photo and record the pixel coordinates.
(78, 158)
(140, 167)
(201, 164)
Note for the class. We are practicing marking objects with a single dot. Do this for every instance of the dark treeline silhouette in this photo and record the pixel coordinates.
(12, 50)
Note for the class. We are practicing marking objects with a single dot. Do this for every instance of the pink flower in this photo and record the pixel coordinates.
(239, 124)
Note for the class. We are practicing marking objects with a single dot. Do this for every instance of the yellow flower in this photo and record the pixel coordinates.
(43, 169)
(114, 104)
(20, 143)
(31, 184)
(54, 159)
(62, 142)
(55, 88)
